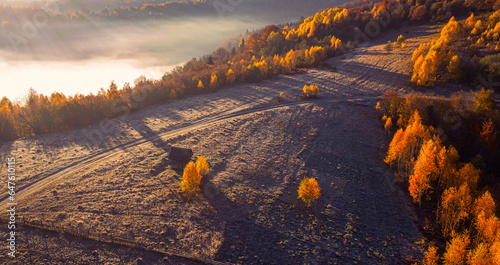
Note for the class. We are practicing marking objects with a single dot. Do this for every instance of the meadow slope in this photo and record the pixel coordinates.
(99, 179)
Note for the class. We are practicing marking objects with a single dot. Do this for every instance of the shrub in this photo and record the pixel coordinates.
(310, 91)
(279, 98)
(401, 40)
(388, 47)
(309, 190)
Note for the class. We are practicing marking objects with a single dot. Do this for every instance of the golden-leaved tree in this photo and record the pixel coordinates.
(214, 81)
(468, 175)
(336, 44)
(425, 170)
(484, 203)
(431, 256)
(431, 59)
(448, 159)
(455, 208)
(309, 190)
(200, 85)
(456, 249)
(190, 179)
(487, 228)
(230, 76)
(479, 255)
(406, 143)
(202, 166)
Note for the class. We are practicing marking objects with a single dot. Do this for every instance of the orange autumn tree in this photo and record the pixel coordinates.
(200, 85)
(290, 61)
(488, 134)
(456, 249)
(484, 203)
(425, 170)
(113, 93)
(448, 159)
(454, 209)
(230, 76)
(495, 251)
(202, 166)
(309, 190)
(470, 22)
(388, 124)
(488, 228)
(336, 44)
(432, 59)
(190, 179)
(406, 143)
(487, 250)
(315, 54)
(454, 68)
(469, 175)
(479, 256)
(431, 256)
(214, 81)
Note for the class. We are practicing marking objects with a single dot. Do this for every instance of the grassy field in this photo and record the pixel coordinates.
(113, 180)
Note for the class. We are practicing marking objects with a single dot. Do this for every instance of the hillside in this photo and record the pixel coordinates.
(258, 149)
(420, 186)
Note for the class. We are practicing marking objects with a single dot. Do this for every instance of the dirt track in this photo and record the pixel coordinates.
(98, 178)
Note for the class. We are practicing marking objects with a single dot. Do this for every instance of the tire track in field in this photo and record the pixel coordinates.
(81, 164)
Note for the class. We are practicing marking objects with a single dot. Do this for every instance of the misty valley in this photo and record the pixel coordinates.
(82, 57)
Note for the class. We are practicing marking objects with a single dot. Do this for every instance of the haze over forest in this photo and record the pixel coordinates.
(80, 46)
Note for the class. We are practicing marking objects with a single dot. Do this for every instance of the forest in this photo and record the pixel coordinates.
(445, 150)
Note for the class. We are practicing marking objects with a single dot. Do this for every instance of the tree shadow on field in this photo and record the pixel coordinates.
(215, 198)
(150, 135)
(241, 237)
(362, 70)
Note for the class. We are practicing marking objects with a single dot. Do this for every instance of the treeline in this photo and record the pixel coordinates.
(260, 55)
(141, 10)
(455, 54)
(446, 152)
(417, 10)
(196, 8)
(22, 19)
